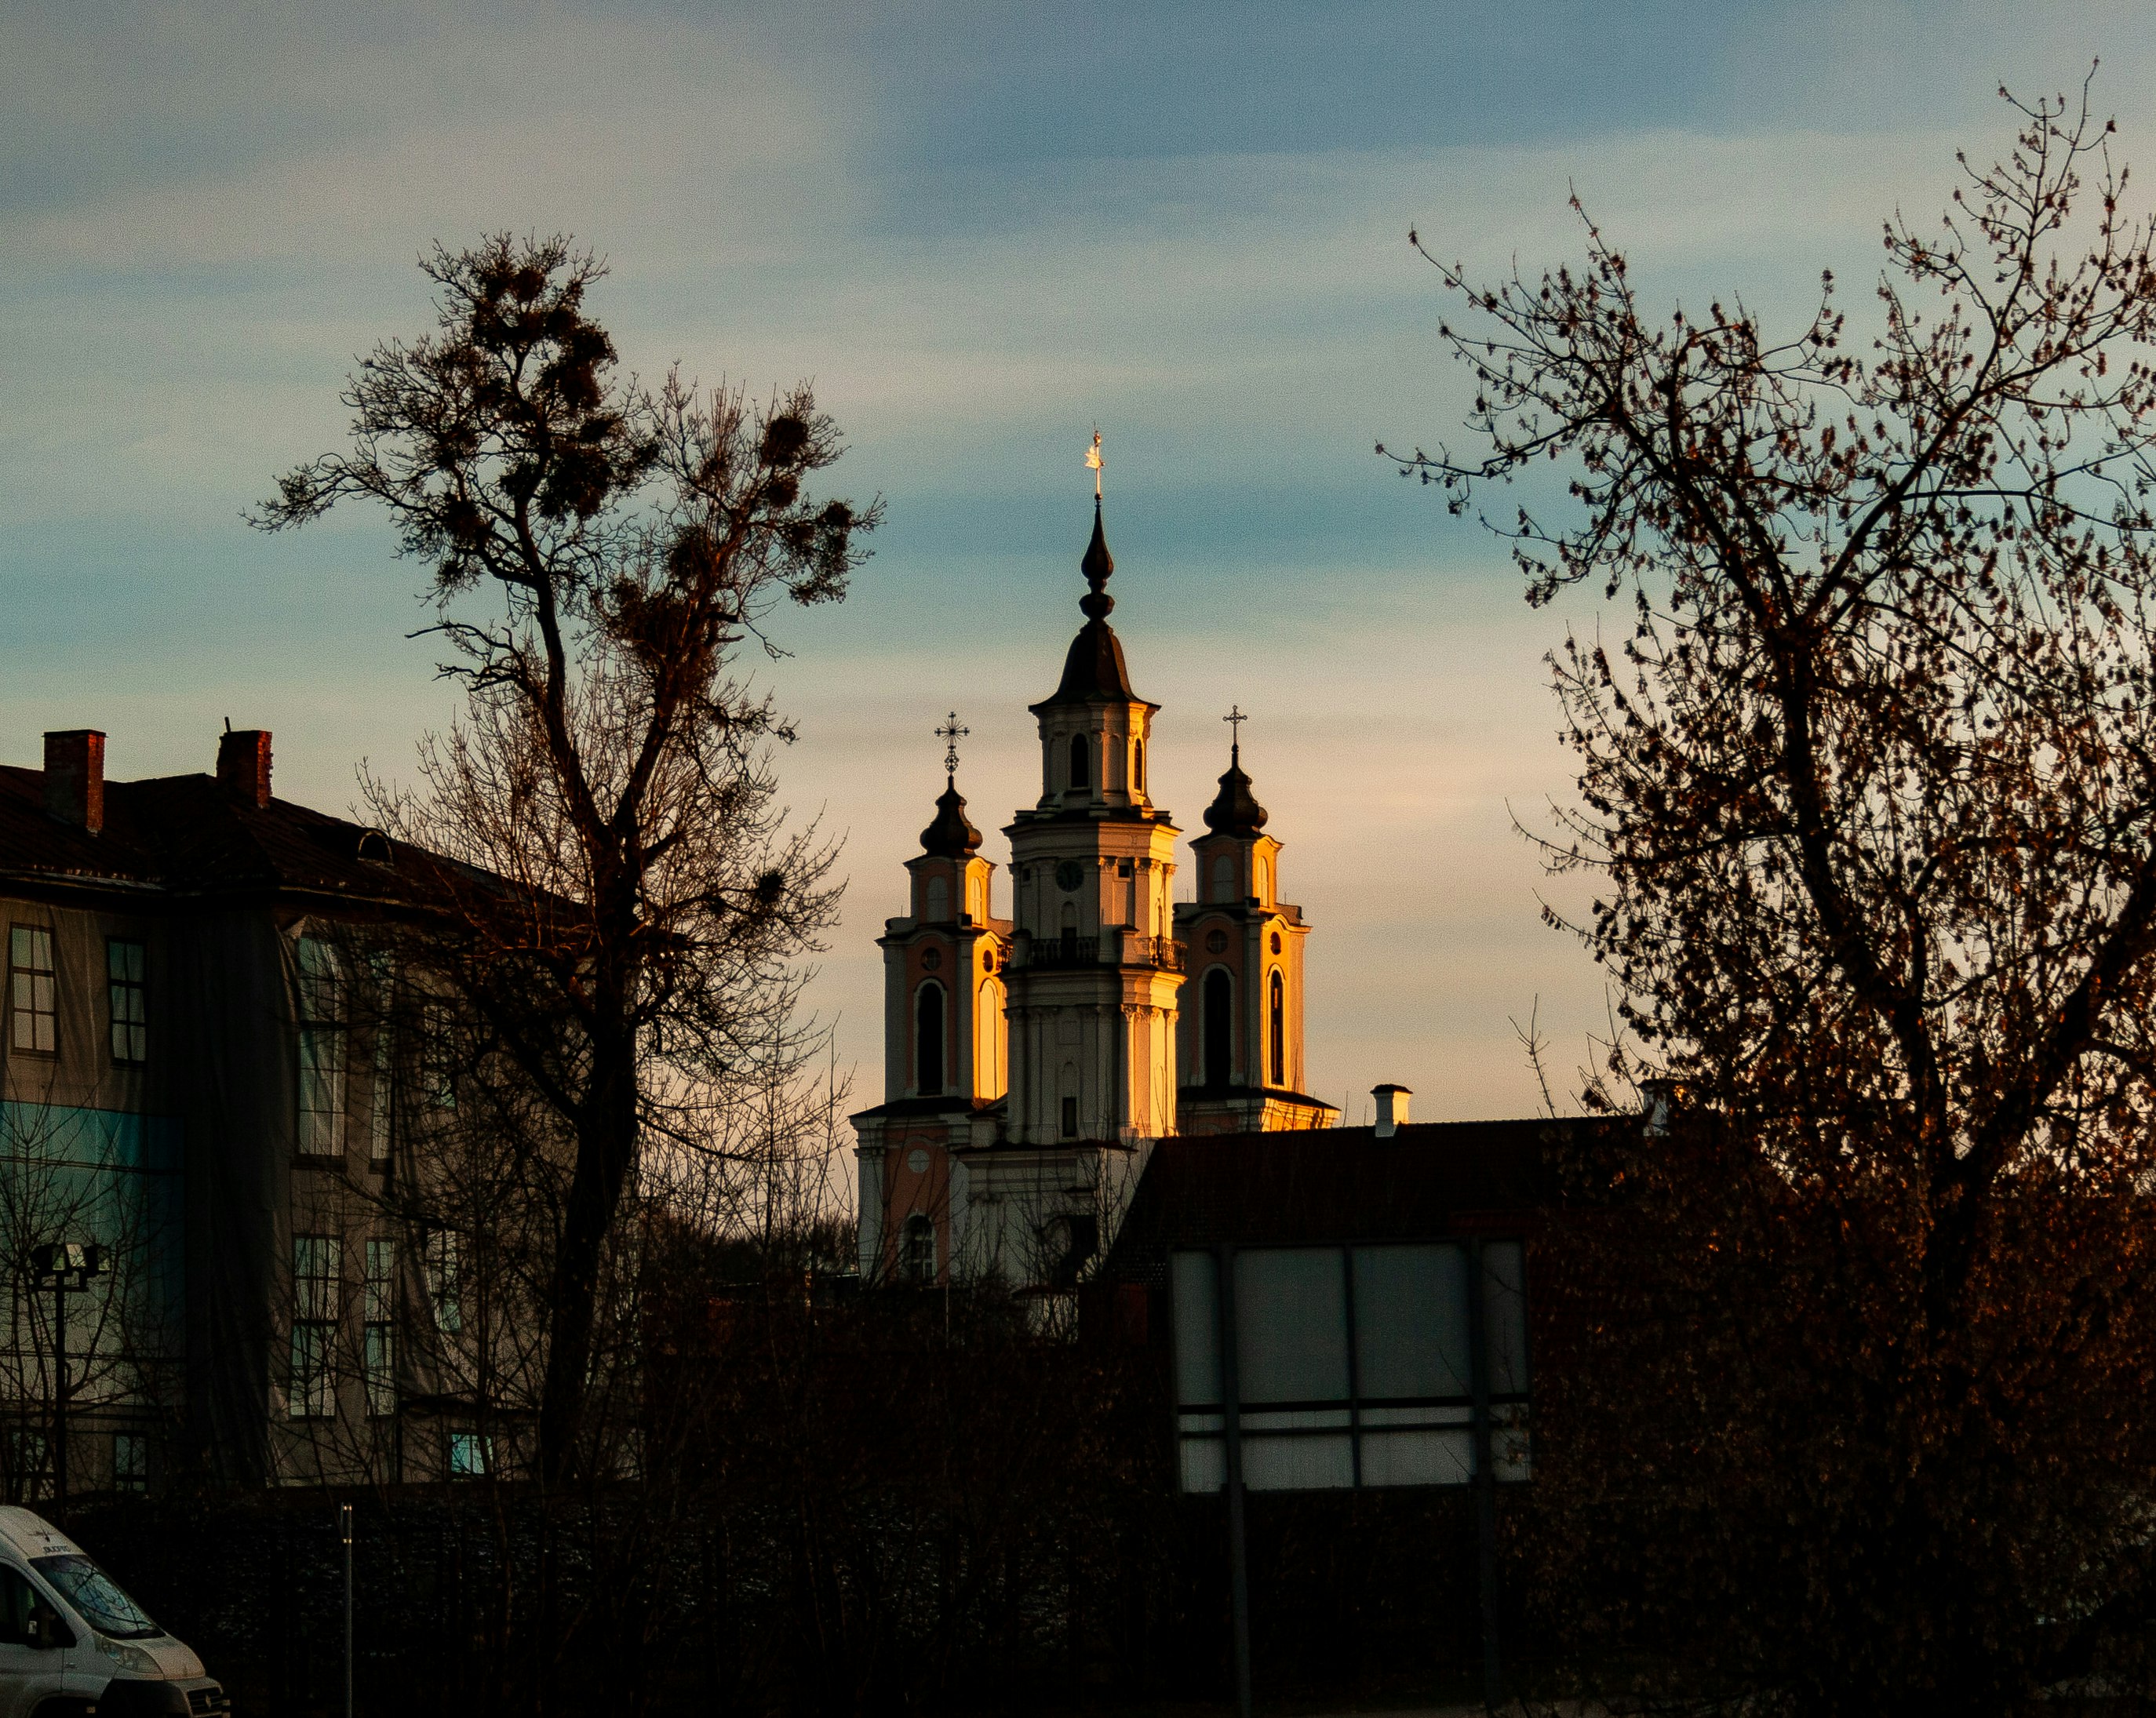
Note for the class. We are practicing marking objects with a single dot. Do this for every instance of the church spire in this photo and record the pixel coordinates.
(1097, 604)
(952, 835)
(1235, 810)
(1093, 670)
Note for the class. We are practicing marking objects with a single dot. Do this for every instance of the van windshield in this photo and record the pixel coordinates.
(97, 1596)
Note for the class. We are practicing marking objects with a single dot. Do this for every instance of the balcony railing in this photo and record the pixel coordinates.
(1048, 954)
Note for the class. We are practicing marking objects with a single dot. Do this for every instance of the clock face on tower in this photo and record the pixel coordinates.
(1069, 875)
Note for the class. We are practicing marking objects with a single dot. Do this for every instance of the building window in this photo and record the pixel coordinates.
(1279, 1030)
(126, 969)
(321, 1051)
(443, 1257)
(379, 1358)
(920, 1249)
(29, 1465)
(1070, 1118)
(32, 991)
(937, 895)
(1070, 933)
(439, 1057)
(1138, 765)
(1081, 762)
(928, 1040)
(130, 1461)
(315, 1261)
(467, 1455)
(382, 1092)
(1219, 1027)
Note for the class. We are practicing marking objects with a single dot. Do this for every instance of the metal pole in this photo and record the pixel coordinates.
(59, 1399)
(344, 1522)
(1485, 1481)
(1231, 1408)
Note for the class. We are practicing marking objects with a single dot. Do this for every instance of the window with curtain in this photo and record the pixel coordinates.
(443, 1256)
(379, 1359)
(316, 1267)
(321, 1046)
(126, 969)
(32, 991)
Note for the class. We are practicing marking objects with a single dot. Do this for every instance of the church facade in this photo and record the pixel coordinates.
(1031, 1063)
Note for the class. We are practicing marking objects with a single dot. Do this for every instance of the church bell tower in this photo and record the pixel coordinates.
(1094, 968)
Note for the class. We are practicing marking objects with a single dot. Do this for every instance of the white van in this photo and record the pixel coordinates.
(73, 1644)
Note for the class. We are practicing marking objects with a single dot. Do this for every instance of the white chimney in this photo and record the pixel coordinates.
(1391, 1102)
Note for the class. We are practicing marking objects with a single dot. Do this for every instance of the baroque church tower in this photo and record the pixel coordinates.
(1095, 967)
(1030, 1062)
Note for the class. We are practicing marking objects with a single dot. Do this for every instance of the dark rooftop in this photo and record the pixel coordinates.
(193, 835)
(1335, 1184)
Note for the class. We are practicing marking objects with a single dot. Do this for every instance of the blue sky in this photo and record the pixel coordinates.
(981, 229)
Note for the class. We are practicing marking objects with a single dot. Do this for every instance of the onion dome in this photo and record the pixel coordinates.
(1235, 810)
(952, 834)
(1093, 668)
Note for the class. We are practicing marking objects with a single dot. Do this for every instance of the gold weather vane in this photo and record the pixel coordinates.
(1093, 461)
(953, 733)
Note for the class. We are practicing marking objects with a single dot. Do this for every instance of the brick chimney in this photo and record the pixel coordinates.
(75, 777)
(243, 762)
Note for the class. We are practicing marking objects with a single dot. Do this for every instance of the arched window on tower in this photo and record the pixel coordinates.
(1278, 1035)
(939, 900)
(1219, 1027)
(920, 1249)
(1138, 765)
(1081, 761)
(928, 1040)
(1223, 878)
(989, 1074)
(1070, 933)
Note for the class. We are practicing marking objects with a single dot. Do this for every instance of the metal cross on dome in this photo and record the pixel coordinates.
(951, 733)
(1234, 720)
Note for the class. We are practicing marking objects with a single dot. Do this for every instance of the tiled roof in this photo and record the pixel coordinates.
(191, 835)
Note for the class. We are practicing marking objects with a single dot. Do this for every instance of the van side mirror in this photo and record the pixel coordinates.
(46, 1630)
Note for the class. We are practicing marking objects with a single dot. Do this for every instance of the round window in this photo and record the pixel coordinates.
(1217, 940)
(916, 1160)
(1069, 875)
(931, 958)
(1275, 942)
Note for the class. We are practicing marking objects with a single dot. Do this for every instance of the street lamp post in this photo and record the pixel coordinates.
(59, 1266)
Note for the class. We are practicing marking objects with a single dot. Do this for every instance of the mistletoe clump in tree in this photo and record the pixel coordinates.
(627, 902)
(1868, 788)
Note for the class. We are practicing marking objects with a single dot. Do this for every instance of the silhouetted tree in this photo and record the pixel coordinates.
(600, 553)
(1868, 786)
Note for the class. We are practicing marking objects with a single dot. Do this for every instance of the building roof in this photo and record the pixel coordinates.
(1093, 670)
(193, 836)
(1235, 810)
(952, 835)
(1335, 1184)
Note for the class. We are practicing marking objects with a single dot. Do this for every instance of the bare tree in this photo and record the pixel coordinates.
(1869, 786)
(627, 900)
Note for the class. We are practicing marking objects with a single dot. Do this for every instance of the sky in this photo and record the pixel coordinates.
(981, 230)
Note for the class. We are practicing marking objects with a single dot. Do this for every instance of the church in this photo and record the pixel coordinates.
(1032, 1063)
